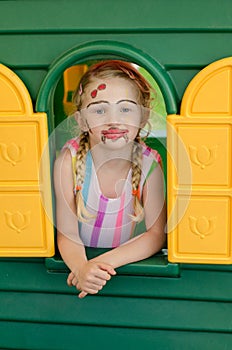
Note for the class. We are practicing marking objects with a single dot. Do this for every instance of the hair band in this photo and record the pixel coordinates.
(78, 188)
(80, 89)
(131, 75)
(136, 192)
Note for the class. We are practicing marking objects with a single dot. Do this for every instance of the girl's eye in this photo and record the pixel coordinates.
(125, 109)
(100, 111)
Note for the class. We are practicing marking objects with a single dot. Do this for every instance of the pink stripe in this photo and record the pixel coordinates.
(156, 155)
(99, 221)
(147, 151)
(73, 143)
(118, 229)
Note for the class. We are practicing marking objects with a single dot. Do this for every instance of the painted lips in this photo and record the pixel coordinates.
(114, 133)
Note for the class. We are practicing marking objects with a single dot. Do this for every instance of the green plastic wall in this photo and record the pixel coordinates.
(151, 304)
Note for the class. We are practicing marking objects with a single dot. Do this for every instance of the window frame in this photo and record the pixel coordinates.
(157, 265)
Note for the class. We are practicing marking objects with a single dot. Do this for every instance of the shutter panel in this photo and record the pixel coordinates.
(199, 170)
(25, 188)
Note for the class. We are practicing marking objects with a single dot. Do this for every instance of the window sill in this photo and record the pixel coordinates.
(156, 266)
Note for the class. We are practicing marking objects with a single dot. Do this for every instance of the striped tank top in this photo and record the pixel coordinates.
(112, 224)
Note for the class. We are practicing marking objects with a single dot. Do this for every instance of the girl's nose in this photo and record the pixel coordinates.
(113, 117)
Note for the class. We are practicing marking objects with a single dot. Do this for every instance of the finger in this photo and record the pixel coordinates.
(97, 282)
(74, 281)
(82, 295)
(102, 272)
(70, 278)
(99, 279)
(107, 268)
(89, 288)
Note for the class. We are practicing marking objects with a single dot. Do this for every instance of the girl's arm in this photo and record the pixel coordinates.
(69, 242)
(151, 241)
(87, 276)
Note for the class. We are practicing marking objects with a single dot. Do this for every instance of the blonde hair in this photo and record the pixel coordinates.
(110, 69)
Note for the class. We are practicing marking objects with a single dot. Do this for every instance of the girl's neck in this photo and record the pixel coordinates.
(111, 159)
(112, 169)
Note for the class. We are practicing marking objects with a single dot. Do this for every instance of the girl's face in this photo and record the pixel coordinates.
(111, 112)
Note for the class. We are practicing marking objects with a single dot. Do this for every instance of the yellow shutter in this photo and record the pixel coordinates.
(199, 170)
(25, 192)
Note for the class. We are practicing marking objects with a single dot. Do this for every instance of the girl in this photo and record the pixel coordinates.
(107, 180)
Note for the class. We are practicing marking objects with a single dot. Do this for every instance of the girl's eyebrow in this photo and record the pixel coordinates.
(97, 102)
(103, 101)
(126, 100)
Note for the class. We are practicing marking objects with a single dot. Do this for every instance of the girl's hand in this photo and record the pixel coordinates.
(91, 277)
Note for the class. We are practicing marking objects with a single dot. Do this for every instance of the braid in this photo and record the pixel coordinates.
(80, 158)
(82, 213)
(136, 177)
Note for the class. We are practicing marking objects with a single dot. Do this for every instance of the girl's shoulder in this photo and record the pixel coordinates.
(151, 160)
(151, 153)
(72, 145)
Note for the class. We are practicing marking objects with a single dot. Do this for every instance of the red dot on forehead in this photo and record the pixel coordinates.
(94, 93)
(101, 87)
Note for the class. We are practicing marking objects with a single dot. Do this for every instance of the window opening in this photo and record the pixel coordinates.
(64, 108)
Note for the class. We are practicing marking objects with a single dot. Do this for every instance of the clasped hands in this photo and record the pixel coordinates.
(91, 277)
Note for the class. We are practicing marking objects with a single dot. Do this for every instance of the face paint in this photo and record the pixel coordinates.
(94, 93)
(99, 88)
(113, 134)
(103, 138)
(125, 136)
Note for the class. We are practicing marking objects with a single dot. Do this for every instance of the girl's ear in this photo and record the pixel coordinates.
(81, 121)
